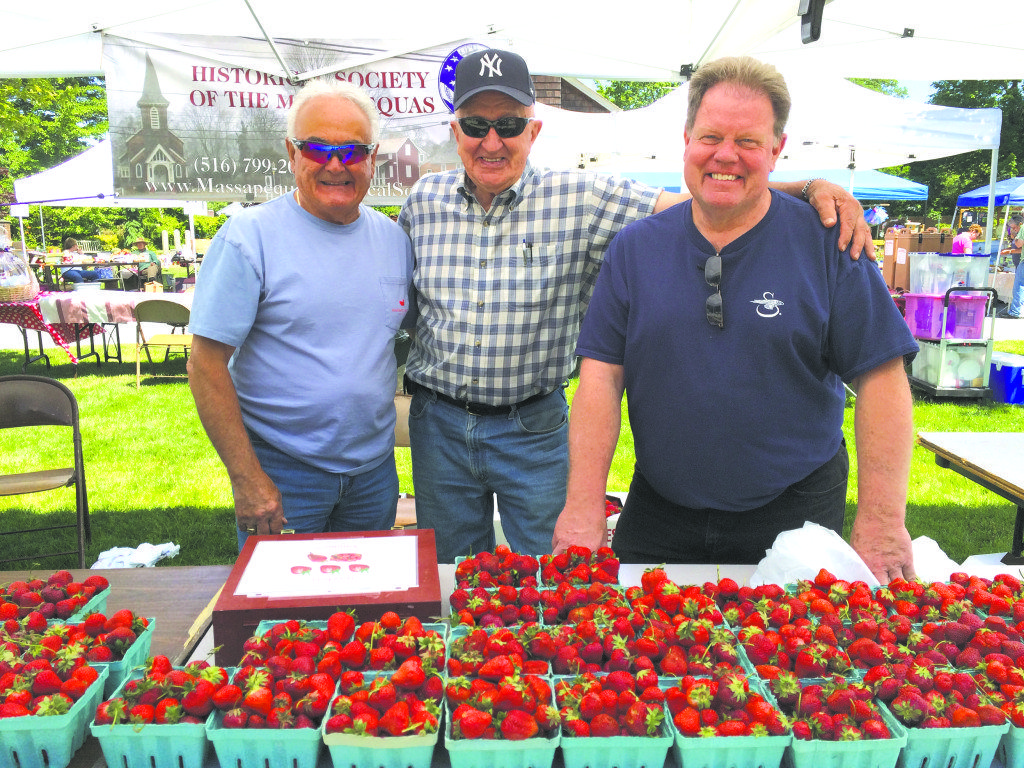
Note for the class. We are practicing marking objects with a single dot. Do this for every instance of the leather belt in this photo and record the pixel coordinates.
(474, 409)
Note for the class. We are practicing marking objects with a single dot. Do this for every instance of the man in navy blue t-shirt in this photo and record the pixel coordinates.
(732, 321)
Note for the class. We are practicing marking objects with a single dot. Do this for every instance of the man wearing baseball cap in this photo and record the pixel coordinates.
(506, 260)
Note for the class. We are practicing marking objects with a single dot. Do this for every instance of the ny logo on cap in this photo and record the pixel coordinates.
(492, 63)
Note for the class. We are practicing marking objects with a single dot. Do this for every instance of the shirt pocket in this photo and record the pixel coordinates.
(395, 293)
(532, 277)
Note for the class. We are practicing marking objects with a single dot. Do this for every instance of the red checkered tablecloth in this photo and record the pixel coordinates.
(26, 314)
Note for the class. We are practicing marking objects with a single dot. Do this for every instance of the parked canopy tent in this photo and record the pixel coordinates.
(833, 124)
(85, 181)
(910, 39)
(868, 184)
(1005, 193)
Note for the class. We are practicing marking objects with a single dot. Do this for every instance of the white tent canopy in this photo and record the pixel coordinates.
(85, 180)
(909, 39)
(833, 124)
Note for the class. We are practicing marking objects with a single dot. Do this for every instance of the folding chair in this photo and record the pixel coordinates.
(36, 401)
(160, 311)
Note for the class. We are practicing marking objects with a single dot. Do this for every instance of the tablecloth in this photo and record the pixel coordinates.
(26, 314)
(99, 306)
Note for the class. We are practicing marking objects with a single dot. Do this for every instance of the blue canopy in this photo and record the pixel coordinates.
(867, 184)
(1008, 192)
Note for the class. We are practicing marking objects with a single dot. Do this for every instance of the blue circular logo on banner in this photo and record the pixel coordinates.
(446, 77)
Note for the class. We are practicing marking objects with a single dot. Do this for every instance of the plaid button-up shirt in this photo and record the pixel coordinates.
(501, 292)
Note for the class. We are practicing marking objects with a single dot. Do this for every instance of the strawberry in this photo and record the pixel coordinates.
(410, 675)
(519, 726)
(604, 725)
(395, 721)
(471, 724)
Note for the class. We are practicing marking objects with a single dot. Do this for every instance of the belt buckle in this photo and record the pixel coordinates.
(471, 409)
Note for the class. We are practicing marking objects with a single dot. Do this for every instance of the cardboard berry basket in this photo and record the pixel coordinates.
(727, 751)
(294, 747)
(136, 656)
(49, 742)
(1011, 748)
(952, 747)
(615, 751)
(350, 750)
(125, 745)
(497, 753)
(96, 604)
(876, 753)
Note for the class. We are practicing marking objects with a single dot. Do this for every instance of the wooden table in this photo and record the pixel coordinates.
(994, 460)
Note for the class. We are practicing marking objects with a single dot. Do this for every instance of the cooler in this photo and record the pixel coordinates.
(1006, 377)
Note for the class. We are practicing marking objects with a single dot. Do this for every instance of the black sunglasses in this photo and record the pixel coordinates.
(347, 154)
(713, 277)
(505, 127)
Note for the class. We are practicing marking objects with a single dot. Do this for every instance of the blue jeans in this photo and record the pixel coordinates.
(1017, 295)
(652, 529)
(79, 275)
(316, 501)
(461, 462)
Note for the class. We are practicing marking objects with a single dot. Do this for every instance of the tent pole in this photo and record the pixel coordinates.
(993, 175)
(21, 228)
(42, 229)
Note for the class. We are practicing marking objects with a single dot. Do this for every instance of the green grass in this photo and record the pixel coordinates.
(153, 476)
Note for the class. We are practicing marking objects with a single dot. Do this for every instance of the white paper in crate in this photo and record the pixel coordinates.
(802, 552)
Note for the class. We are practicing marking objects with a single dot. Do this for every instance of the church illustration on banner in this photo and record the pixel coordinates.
(154, 154)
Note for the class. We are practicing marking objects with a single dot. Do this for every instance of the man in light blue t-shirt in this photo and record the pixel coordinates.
(294, 318)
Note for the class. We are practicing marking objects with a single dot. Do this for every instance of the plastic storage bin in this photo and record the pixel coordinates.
(126, 745)
(49, 742)
(961, 365)
(965, 315)
(1006, 377)
(936, 273)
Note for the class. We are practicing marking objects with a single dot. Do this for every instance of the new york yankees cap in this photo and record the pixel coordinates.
(493, 70)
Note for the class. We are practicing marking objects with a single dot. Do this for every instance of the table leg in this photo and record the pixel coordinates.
(112, 341)
(29, 358)
(92, 343)
(1016, 554)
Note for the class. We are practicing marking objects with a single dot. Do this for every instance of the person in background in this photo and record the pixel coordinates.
(506, 259)
(1015, 309)
(731, 322)
(963, 243)
(73, 255)
(294, 318)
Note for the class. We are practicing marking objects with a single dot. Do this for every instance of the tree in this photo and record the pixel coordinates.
(888, 87)
(633, 94)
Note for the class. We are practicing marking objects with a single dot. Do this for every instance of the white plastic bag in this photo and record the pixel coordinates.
(802, 552)
(144, 556)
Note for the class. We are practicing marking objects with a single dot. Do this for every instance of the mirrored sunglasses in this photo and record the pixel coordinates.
(505, 127)
(347, 154)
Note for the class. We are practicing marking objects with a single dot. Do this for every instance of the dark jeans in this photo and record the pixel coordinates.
(79, 276)
(654, 530)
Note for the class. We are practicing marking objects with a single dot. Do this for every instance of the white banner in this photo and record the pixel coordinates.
(202, 118)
